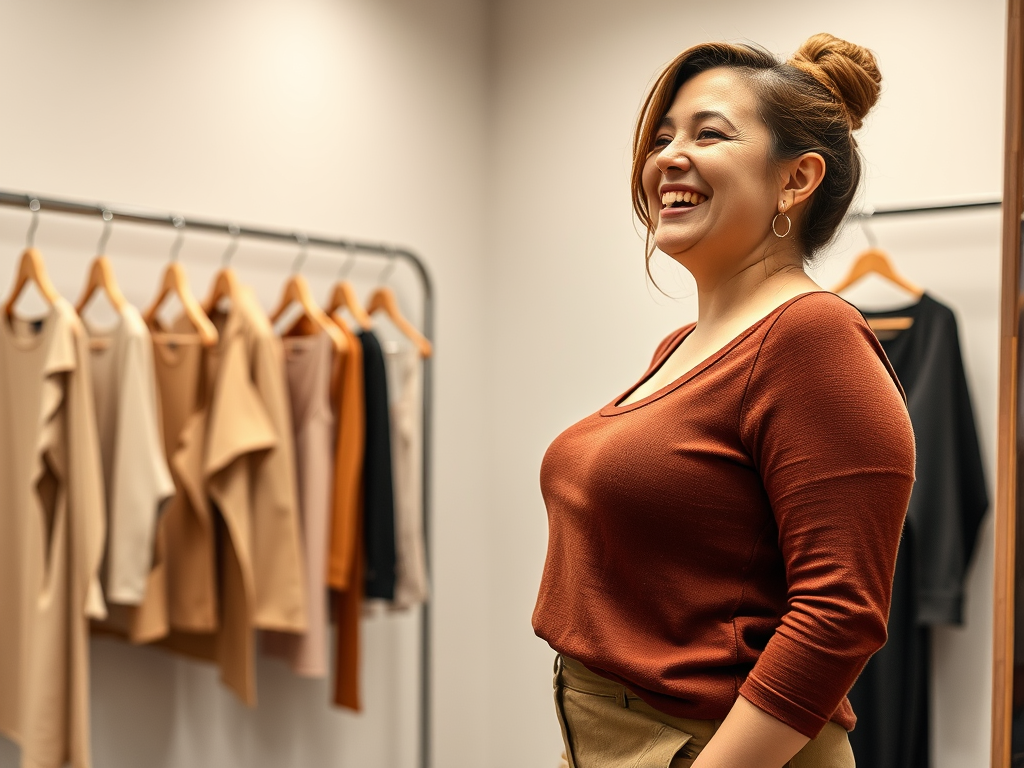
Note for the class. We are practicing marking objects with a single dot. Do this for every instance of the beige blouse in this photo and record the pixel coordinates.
(51, 536)
(308, 364)
(405, 380)
(135, 471)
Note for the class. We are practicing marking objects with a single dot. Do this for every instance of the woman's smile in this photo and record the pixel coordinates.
(676, 200)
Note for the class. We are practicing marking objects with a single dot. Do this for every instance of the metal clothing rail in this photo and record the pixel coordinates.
(112, 213)
(937, 208)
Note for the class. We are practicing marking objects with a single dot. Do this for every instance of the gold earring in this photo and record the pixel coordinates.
(782, 213)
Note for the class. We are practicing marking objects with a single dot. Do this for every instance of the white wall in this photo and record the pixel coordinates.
(498, 148)
(576, 323)
(355, 117)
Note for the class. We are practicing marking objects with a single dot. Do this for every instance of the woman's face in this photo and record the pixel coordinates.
(709, 183)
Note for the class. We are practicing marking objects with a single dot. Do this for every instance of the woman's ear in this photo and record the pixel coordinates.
(800, 177)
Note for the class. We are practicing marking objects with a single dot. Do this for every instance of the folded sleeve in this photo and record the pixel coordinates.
(825, 422)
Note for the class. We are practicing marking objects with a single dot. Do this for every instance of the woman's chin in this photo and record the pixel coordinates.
(673, 244)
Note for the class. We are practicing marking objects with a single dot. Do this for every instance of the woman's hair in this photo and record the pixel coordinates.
(811, 103)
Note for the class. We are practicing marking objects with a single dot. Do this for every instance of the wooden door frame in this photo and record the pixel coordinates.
(1012, 301)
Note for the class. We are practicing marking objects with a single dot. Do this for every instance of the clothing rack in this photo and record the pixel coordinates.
(112, 213)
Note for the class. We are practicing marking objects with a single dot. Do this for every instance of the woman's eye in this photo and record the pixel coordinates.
(662, 141)
(709, 133)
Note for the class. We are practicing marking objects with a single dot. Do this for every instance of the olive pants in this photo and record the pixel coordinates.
(606, 726)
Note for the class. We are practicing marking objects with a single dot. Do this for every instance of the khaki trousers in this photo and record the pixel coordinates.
(606, 726)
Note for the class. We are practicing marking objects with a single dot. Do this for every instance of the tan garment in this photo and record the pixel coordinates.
(249, 471)
(605, 725)
(308, 367)
(250, 461)
(181, 591)
(405, 379)
(135, 472)
(51, 537)
(236, 464)
(346, 567)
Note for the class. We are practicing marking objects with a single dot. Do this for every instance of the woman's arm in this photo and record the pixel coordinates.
(751, 738)
(825, 424)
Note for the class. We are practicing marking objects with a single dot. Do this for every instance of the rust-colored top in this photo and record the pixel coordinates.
(735, 532)
(346, 562)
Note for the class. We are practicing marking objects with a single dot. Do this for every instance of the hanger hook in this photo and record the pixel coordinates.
(30, 238)
(868, 233)
(236, 232)
(346, 266)
(179, 224)
(303, 240)
(389, 267)
(108, 226)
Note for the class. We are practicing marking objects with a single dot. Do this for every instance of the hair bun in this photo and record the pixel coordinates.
(849, 71)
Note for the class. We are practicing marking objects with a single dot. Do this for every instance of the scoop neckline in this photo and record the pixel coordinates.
(614, 409)
(28, 343)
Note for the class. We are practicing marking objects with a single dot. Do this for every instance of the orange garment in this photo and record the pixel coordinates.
(346, 563)
(348, 461)
(348, 612)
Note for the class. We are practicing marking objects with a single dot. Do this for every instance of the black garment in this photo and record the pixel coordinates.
(378, 490)
(946, 508)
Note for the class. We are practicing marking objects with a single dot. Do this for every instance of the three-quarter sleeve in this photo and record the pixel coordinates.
(826, 425)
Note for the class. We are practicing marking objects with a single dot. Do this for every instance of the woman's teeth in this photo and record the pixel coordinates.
(681, 199)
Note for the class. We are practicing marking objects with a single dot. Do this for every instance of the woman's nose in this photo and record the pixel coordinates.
(673, 158)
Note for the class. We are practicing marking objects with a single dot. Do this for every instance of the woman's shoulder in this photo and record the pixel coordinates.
(820, 336)
(817, 316)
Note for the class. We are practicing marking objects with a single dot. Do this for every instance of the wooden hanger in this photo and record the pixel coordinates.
(877, 261)
(225, 283)
(225, 286)
(31, 268)
(101, 277)
(343, 296)
(297, 290)
(176, 282)
(384, 299)
(101, 274)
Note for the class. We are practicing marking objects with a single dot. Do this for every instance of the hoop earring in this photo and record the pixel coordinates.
(789, 224)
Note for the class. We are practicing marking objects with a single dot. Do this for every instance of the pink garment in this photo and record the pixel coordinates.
(308, 367)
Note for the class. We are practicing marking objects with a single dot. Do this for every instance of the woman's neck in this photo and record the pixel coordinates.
(763, 281)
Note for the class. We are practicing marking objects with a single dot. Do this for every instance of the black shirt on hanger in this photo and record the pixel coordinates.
(378, 489)
(947, 505)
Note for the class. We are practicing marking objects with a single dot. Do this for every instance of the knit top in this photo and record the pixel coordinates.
(735, 532)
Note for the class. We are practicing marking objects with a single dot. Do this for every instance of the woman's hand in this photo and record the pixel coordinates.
(750, 738)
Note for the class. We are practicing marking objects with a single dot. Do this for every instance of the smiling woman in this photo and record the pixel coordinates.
(722, 536)
(810, 104)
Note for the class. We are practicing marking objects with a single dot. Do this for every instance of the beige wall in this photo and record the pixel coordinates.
(494, 139)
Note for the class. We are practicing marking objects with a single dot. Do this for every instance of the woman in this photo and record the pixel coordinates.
(723, 536)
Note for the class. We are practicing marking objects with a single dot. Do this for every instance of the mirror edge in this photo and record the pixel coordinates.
(1012, 300)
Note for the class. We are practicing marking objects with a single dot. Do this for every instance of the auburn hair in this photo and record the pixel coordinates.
(811, 103)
